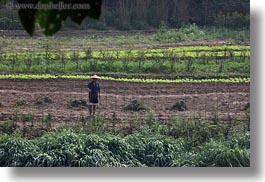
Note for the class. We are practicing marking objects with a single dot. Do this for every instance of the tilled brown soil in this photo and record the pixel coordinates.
(204, 100)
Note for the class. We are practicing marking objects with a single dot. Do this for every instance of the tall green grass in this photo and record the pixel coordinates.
(143, 149)
(194, 33)
(182, 143)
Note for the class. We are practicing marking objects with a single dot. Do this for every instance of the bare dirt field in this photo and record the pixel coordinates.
(204, 100)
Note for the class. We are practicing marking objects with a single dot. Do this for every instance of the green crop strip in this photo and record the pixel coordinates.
(180, 52)
(136, 80)
(198, 51)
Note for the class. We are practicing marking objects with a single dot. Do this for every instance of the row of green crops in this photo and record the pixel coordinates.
(66, 147)
(137, 80)
(178, 52)
(197, 61)
(236, 67)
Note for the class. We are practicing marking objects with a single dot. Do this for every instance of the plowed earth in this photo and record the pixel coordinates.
(204, 100)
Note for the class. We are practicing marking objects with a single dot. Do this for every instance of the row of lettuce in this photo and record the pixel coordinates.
(180, 52)
(136, 80)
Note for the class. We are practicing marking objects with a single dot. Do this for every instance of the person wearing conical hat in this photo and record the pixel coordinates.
(93, 94)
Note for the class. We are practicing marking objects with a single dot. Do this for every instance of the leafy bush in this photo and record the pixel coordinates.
(241, 35)
(218, 154)
(196, 132)
(185, 33)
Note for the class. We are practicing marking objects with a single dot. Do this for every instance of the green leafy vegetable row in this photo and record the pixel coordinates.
(137, 80)
(193, 51)
(180, 52)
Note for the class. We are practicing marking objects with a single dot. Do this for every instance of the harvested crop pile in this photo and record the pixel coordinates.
(136, 105)
(45, 100)
(180, 106)
(77, 103)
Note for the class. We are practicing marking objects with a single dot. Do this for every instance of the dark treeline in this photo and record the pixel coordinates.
(149, 14)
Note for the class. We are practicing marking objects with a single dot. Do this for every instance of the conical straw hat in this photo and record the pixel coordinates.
(95, 76)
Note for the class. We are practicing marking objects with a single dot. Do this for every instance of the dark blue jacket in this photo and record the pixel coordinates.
(94, 89)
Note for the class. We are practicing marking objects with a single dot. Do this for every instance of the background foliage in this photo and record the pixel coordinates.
(148, 14)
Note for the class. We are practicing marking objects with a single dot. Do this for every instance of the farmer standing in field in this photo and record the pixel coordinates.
(94, 94)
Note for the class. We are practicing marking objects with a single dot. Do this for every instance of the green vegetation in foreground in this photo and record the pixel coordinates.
(180, 144)
(138, 80)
